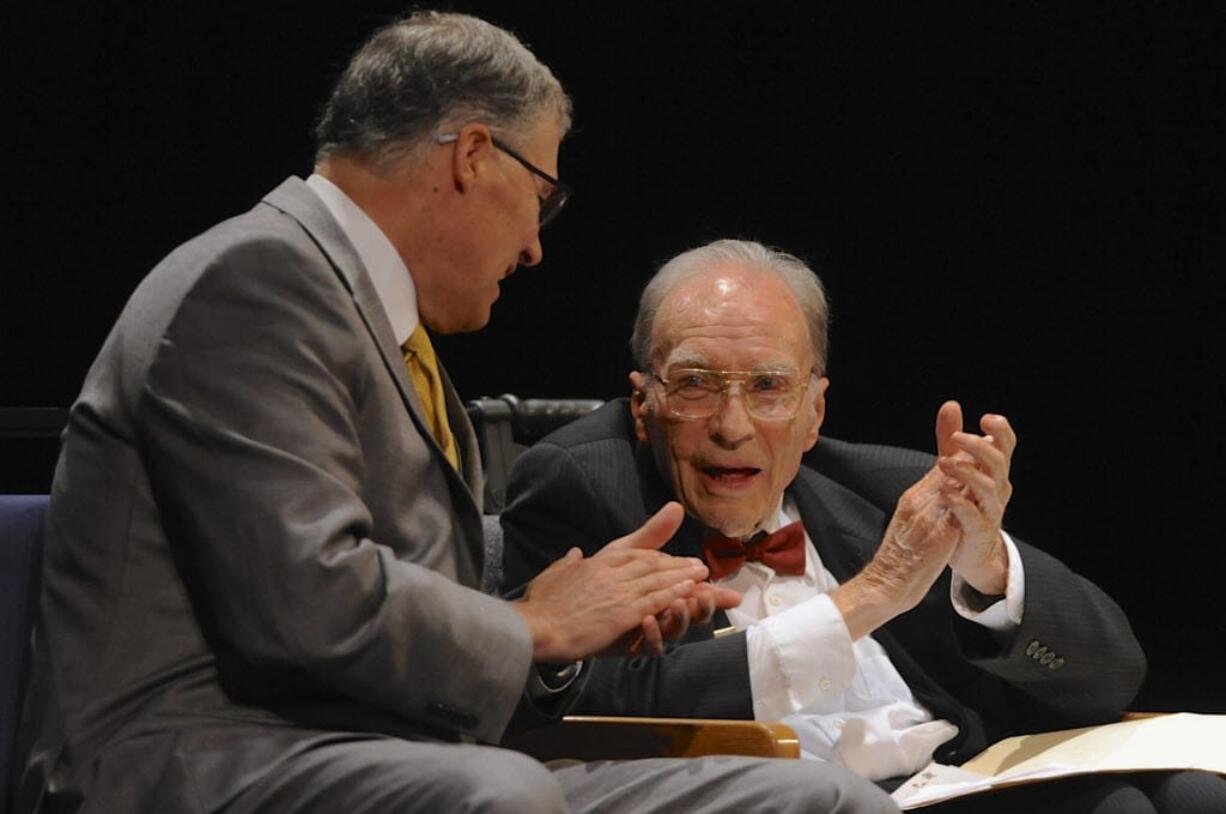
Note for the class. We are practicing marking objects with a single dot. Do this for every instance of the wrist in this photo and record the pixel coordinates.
(864, 604)
(988, 577)
(546, 644)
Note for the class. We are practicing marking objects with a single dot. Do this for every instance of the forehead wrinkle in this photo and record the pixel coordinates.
(737, 310)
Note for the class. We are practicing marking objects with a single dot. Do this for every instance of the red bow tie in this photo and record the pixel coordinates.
(784, 551)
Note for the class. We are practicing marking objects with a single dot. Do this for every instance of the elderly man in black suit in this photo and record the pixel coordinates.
(886, 614)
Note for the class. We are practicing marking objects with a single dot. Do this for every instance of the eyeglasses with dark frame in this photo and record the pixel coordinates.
(696, 394)
(559, 191)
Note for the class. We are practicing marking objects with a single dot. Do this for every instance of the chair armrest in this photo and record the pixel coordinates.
(625, 738)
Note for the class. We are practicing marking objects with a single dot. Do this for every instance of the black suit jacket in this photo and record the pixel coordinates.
(592, 481)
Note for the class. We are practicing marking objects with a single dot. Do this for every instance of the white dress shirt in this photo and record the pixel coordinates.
(845, 699)
(393, 282)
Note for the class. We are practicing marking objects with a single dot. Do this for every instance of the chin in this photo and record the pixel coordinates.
(473, 322)
(727, 524)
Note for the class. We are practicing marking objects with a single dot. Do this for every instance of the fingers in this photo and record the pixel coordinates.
(653, 637)
(949, 421)
(653, 534)
(676, 618)
(703, 604)
(982, 488)
(724, 598)
(983, 449)
(971, 516)
(679, 571)
(655, 601)
(1001, 431)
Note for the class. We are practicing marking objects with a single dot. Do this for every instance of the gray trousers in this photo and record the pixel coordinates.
(389, 776)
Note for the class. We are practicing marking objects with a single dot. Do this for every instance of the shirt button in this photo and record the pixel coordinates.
(824, 683)
(774, 601)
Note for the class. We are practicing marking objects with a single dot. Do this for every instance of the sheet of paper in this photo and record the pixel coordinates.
(1177, 741)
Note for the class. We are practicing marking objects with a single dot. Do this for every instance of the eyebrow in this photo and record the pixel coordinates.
(688, 362)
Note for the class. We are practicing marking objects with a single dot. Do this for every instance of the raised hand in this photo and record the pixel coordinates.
(977, 490)
(920, 539)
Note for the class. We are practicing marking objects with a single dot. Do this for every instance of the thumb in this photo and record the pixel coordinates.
(949, 421)
(657, 531)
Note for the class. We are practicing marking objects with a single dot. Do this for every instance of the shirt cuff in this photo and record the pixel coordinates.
(1004, 615)
(798, 658)
(547, 680)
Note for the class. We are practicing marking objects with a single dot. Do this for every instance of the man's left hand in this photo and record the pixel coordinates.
(978, 490)
(674, 622)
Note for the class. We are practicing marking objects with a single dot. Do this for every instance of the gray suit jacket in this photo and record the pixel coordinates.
(592, 481)
(253, 542)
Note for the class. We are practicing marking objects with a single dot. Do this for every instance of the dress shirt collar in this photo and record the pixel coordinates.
(392, 280)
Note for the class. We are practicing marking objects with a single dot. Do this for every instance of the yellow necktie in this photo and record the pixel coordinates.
(423, 372)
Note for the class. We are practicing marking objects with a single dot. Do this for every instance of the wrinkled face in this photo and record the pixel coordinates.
(495, 230)
(729, 470)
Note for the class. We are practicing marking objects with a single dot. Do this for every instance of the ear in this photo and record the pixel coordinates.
(638, 405)
(819, 411)
(471, 155)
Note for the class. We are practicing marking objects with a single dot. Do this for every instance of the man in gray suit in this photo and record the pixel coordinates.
(264, 534)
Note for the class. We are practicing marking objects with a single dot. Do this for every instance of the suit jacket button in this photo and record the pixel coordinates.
(1033, 646)
(1040, 653)
(1048, 658)
(1056, 664)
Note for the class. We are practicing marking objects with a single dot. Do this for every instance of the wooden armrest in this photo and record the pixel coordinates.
(1136, 716)
(610, 738)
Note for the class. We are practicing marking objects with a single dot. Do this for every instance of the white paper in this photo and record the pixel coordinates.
(1164, 742)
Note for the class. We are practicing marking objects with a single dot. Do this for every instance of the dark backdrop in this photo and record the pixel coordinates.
(1011, 204)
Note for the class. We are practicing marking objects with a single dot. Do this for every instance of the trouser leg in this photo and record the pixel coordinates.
(391, 776)
(717, 785)
(1185, 792)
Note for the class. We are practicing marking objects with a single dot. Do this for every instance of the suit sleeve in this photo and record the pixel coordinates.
(250, 429)
(1074, 656)
(557, 501)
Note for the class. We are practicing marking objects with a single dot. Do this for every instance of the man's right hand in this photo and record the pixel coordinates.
(581, 606)
(918, 543)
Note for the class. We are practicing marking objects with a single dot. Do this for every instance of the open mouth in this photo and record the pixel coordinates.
(730, 474)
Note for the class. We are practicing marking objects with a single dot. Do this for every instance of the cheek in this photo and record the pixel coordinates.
(787, 449)
(676, 449)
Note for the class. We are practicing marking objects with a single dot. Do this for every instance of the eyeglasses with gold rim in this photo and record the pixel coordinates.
(695, 394)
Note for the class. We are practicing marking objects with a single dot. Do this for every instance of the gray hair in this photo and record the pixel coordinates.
(792, 271)
(430, 73)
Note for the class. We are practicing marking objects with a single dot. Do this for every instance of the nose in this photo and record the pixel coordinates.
(731, 425)
(533, 253)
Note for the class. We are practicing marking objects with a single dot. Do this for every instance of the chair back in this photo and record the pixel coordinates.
(508, 425)
(21, 541)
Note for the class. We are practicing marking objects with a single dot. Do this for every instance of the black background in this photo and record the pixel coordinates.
(1013, 204)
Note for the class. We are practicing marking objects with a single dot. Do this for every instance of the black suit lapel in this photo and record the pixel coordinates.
(844, 542)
